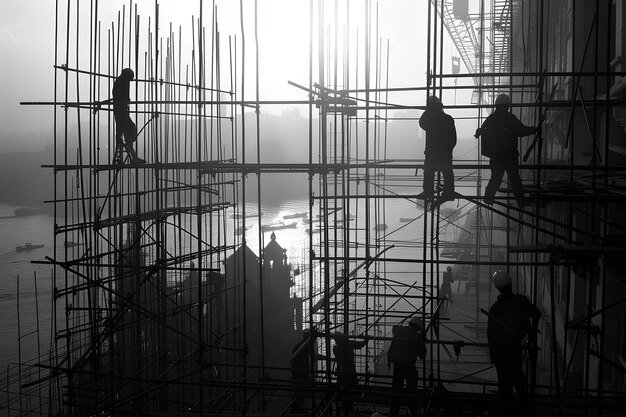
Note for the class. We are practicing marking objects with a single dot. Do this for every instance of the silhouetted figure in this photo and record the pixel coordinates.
(303, 354)
(124, 125)
(446, 288)
(407, 345)
(346, 368)
(440, 141)
(511, 318)
(344, 355)
(500, 132)
(217, 282)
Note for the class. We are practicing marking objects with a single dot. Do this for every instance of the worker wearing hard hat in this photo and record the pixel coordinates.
(407, 345)
(440, 141)
(346, 367)
(511, 318)
(499, 135)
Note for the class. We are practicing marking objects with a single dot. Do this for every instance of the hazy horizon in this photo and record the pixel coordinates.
(27, 40)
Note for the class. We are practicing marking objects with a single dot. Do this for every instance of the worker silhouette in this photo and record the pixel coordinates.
(499, 135)
(407, 345)
(346, 368)
(124, 125)
(303, 354)
(446, 288)
(440, 141)
(511, 318)
(344, 355)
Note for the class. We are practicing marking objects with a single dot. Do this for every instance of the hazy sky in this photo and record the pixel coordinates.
(28, 29)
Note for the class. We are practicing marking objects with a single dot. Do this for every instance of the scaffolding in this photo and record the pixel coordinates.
(168, 298)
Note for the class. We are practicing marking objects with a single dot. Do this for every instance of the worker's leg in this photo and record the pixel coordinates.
(448, 182)
(506, 376)
(497, 172)
(429, 181)
(118, 155)
(130, 136)
(516, 184)
(396, 386)
(411, 389)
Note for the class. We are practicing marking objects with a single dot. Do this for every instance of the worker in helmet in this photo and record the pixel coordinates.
(346, 367)
(406, 346)
(511, 318)
(499, 135)
(124, 125)
(344, 355)
(440, 141)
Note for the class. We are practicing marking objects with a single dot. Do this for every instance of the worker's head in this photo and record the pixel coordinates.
(340, 337)
(503, 101)
(433, 102)
(128, 74)
(416, 322)
(449, 269)
(502, 280)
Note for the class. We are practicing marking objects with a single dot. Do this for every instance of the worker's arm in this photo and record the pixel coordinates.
(482, 129)
(421, 344)
(100, 103)
(425, 119)
(358, 345)
(522, 130)
(390, 350)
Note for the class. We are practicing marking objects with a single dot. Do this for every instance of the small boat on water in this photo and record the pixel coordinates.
(71, 244)
(241, 230)
(279, 226)
(23, 212)
(380, 227)
(28, 246)
(295, 216)
(407, 219)
(241, 216)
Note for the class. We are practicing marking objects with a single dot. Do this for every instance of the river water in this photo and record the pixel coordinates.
(26, 287)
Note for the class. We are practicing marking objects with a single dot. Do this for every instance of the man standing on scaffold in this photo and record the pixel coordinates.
(124, 125)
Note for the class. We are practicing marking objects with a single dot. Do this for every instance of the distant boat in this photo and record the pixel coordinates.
(22, 212)
(241, 216)
(279, 226)
(241, 230)
(28, 246)
(381, 227)
(407, 219)
(295, 216)
(71, 243)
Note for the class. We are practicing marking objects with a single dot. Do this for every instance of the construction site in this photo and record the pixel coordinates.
(179, 289)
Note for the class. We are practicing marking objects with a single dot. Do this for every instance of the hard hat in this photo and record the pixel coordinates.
(502, 100)
(416, 321)
(433, 100)
(501, 279)
(338, 336)
(127, 72)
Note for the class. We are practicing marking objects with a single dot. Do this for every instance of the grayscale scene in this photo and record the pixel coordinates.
(322, 208)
